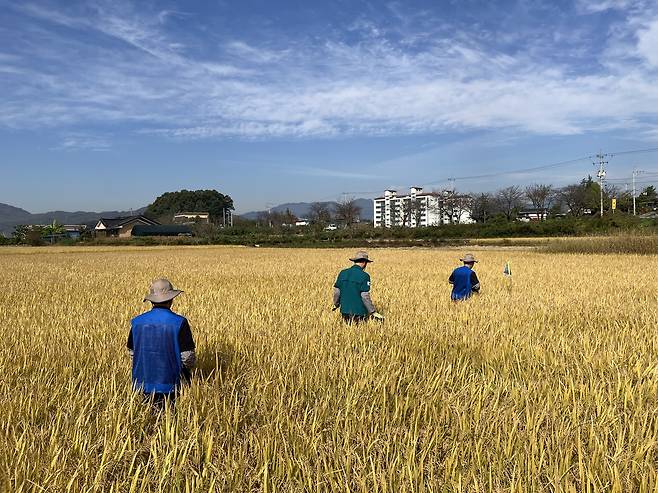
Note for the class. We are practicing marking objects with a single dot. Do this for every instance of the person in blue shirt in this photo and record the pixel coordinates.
(464, 280)
(352, 292)
(161, 345)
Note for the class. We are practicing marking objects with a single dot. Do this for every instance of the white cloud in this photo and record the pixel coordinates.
(324, 88)
(651, 134)
(83, 141)
(254, 54)
(330, 173)
(224, 69)
(594, 6)
(647, 44)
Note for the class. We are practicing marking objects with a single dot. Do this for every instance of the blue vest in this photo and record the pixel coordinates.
(461, 287)
(157, 363)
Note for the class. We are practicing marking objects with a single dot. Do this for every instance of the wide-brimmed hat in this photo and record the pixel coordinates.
(161, 291)
(468, 259)
(361, 256)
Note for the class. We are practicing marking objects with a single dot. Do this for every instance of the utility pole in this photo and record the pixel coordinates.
(635, 173)
(601, 174)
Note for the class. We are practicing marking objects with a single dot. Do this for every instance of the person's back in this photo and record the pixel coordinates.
(464, 280)
(352, 282)
(352, 291)
(461, 283)
(161, 344)
(157, 364)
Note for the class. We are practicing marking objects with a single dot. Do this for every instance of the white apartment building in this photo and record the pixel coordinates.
(418, 209)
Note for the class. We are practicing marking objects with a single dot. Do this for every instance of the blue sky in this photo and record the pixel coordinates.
(107, 104)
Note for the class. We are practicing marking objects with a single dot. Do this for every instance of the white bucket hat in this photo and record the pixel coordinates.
(161, 291)
(361, 256)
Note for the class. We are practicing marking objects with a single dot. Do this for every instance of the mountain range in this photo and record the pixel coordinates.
(11, 216)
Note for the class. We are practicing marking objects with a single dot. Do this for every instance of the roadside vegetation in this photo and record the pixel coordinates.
(250, 233)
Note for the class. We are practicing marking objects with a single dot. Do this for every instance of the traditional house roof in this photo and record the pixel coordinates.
(161, 230)
(118, 222)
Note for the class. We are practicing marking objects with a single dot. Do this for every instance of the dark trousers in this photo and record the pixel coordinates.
(350, 318)
(159, 400)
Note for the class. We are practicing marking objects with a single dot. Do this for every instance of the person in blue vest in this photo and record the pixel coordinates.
(464, 280)
(352, 292)
(161, 345)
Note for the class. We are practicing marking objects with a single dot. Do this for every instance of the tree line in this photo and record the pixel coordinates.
(321, 214)
(580, 199)
(544, 200)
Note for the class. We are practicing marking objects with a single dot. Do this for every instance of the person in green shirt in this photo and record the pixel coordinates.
(352, 292)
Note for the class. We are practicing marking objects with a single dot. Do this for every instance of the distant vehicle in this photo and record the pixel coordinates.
(302, 222)
(331, 227)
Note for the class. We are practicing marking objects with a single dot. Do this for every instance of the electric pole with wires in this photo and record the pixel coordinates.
(635, 173)
(601, 162)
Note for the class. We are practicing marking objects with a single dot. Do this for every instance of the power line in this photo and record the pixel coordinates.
(643, 182)
(558, 164)
(534, 168)
(489, 175)
(635, 151)
(648, 174)
(512, 172)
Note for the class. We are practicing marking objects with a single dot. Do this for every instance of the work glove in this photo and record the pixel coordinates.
(377, 316)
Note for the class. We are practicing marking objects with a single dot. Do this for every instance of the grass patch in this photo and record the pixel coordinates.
(633, 244)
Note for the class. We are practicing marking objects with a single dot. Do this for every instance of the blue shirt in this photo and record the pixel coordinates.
(464, 281)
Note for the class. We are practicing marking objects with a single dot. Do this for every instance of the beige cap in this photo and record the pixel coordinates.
(468, 258)
(161, 291)
(361, 256)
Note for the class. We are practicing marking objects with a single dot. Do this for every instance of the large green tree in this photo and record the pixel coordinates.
(168, 204)
(647, 199)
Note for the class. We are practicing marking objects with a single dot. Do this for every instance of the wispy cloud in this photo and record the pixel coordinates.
(603, 5)
(331, 173)
(414, 77)
(83, 142)
(647, 45)
(254, 54)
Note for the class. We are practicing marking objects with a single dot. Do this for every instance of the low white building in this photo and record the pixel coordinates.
(191, 217)
(420, 208)
(532, 215)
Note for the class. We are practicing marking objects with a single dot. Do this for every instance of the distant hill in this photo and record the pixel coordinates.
(11, 216)
(11, 213)
(302, 209)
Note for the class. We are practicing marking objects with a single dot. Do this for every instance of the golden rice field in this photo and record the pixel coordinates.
(548, 383)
